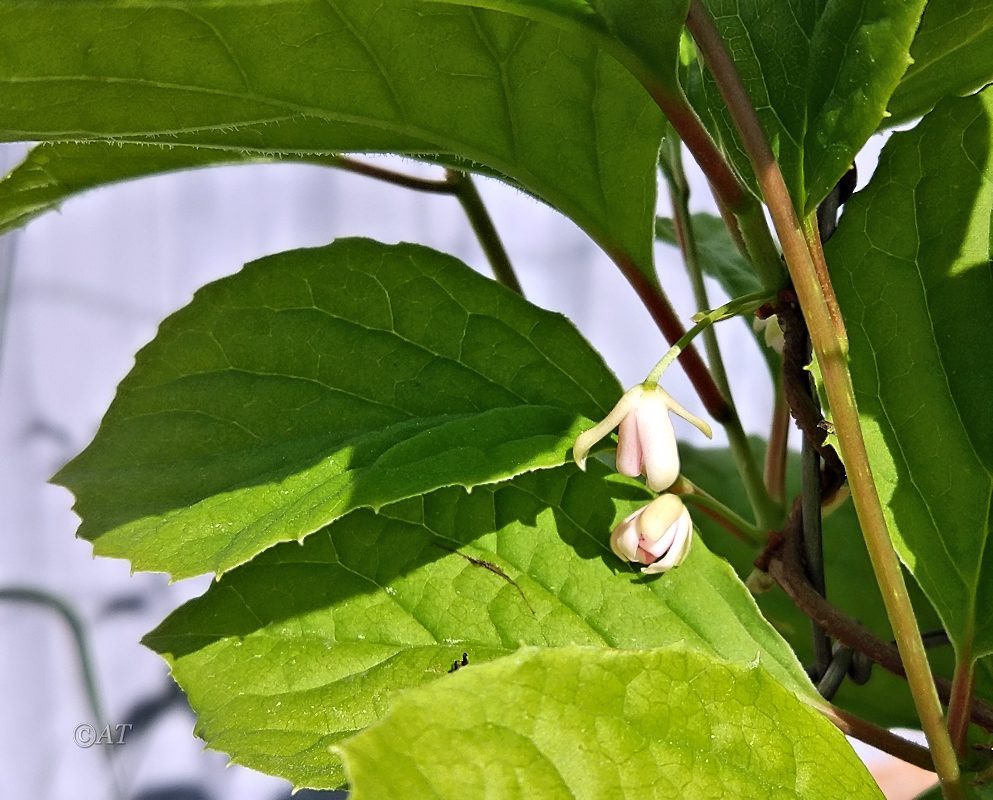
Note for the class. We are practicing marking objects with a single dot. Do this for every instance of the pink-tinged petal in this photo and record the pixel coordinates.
(680, 546)
(658, 442)
(624, 538)
(586, 440)
(663, 545)
(629, 452)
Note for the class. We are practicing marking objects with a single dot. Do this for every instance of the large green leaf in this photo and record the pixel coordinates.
(318, 381)
(539, 103)
(590, 723)
(951, 55)
(851, 587)
(302, 646)
(819, 72)
(911, 262)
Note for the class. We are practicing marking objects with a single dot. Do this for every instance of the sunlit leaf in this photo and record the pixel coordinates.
(819, 73)
(589, 723)
(319, 381)
(302, 646)
(951, 53)
(911, 263)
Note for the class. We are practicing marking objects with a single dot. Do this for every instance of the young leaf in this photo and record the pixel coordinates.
(532, 101)
(820, 75)
(719, 257)
(318, 381)
(302, 646)
(951, 55)
(911, 263)
(589, 723)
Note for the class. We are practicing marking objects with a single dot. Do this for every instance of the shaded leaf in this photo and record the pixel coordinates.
(819, 72)
(52, 173)
(302, 646)
(911, 263)
(588, 723)
(951, 53)
(719, 257)
(318, 381)
(312, 76)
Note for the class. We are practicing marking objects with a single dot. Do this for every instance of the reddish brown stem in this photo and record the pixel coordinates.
(961, 701)
(668, 322)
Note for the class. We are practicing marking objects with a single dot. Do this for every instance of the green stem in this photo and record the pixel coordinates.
(486, 232)
(760, 247)
(391, 176)
(767, 515)
(804, 259)
(23, 594)
(658, 306)
(704, 319)
(734, 523)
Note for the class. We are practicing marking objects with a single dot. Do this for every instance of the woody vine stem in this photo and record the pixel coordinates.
(805, 262)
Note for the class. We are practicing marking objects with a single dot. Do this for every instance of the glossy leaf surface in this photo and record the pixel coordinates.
(586, 723)
(296, 650)
(318, 381)
(911, 264)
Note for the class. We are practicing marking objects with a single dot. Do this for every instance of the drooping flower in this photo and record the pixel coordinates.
(646, 442)
(657, 535)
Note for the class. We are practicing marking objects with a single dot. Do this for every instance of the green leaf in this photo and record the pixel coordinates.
(719, 257)
(951, 55)
(911, 263)
(541, 104)
(590, 723)
(302, 646)
(819, 72)
(318, 381)
(52, 173)
(851, 586)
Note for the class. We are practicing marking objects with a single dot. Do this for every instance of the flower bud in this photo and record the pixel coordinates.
(657, 535)
(772, 332)
(646, 442)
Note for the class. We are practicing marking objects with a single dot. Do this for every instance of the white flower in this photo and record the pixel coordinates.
(772, 332)
(658, 535)
(646, 442)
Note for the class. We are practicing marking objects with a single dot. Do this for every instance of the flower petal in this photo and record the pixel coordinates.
(691, 418)
(624, 538)
(683, 538)
(586, 440)
(658, 442)
(630, 455)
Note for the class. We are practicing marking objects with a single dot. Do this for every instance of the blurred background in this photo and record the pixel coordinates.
(81, 290)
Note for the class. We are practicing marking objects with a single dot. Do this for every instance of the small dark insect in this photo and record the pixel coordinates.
(459, 664)
(489, 565)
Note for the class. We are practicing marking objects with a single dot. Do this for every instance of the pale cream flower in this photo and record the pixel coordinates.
(657, 535)
(646, 442)
(772, 332)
